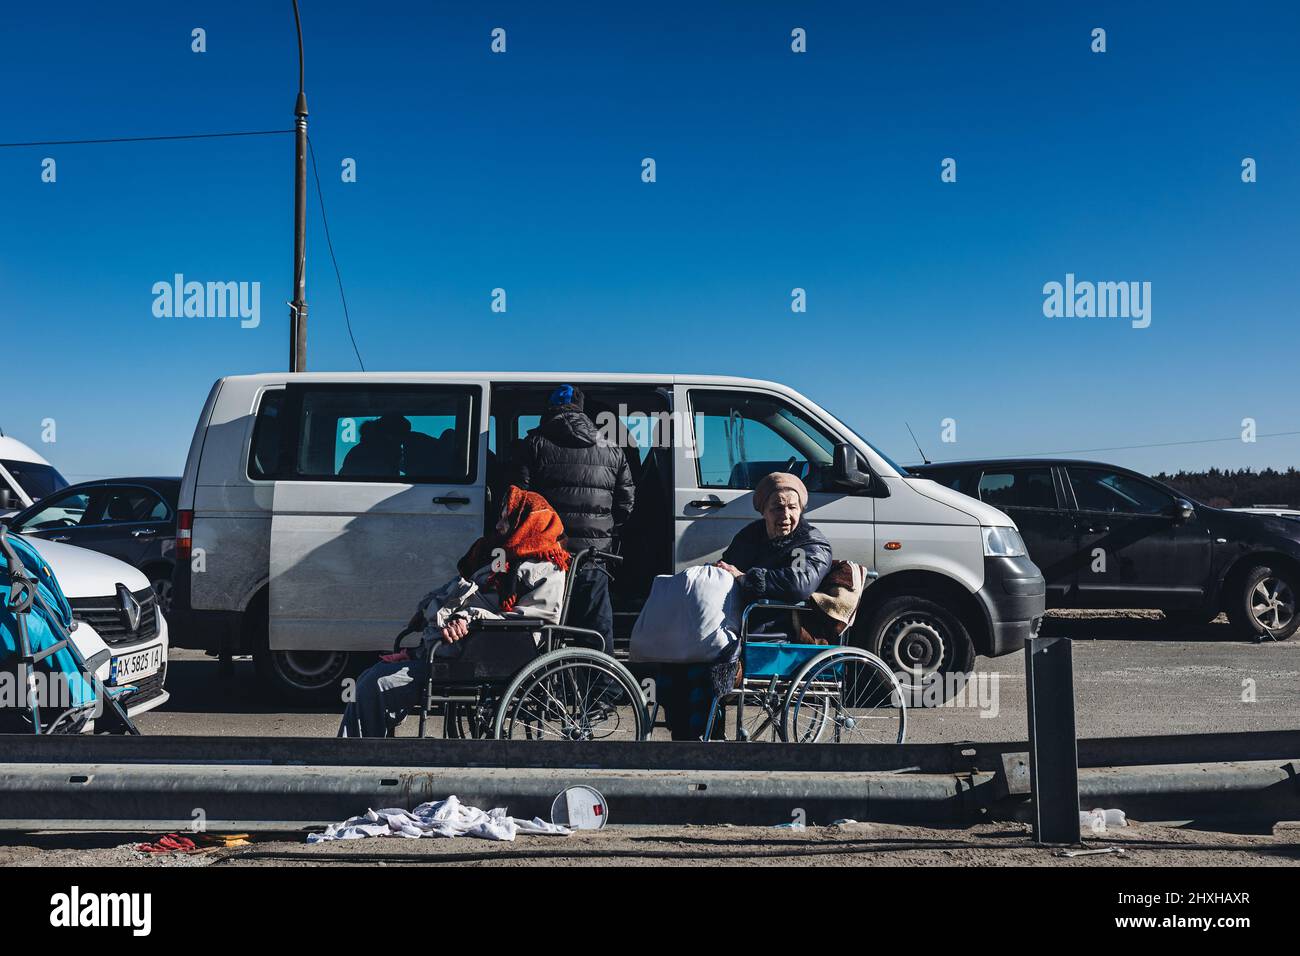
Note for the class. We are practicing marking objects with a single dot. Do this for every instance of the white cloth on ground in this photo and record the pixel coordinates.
(443, 818)
(689, 618)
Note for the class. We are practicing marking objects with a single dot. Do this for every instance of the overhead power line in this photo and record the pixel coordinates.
(311, 150)
(1162, 444)
(145, 139)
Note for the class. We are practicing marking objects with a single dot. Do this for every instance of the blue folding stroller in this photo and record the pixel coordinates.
(46, 686)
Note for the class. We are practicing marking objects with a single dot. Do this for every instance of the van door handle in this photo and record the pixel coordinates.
(62, 537)
(707, 503)
(144, 532)
(1097, 529)
(450, 500)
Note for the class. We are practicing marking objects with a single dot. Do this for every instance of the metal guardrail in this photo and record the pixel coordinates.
(411, 752)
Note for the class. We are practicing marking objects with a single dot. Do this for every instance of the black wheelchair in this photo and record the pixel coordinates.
(527, 678)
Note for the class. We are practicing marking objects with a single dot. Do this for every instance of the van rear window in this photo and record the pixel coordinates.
(387, 433)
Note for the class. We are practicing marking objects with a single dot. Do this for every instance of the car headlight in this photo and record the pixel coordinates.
(1003, 543)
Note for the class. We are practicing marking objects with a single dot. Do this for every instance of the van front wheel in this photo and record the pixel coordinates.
(925, 645)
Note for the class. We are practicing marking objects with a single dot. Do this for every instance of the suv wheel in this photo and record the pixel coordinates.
(925, 644)
(1264, 604)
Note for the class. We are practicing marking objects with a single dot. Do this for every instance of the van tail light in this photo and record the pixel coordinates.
(184, 535)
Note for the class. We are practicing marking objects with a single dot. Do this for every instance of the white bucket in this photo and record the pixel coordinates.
(580, 808)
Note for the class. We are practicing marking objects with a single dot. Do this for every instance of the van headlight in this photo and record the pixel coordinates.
(1003, 543)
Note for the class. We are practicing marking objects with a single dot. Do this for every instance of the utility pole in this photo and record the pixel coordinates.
(298, 308)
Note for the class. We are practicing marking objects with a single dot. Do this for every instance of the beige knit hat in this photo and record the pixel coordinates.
(779, 481)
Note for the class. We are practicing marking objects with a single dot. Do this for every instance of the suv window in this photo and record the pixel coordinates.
(1018, 488)
(1096, 489)
(394, 433)
(66, 511)
(128, 505)
(740, 437)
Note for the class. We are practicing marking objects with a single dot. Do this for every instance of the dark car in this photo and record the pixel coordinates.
(1108, 537)
(132, 519)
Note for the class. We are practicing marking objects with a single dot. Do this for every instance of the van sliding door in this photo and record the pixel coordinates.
(379, 493)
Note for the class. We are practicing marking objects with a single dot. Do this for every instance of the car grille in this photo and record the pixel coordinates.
(145, 690)
(105, 616)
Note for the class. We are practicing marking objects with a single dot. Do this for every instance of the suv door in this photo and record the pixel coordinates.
(127, 522)
(378, 491)
(1030, 496)
(735, 438)
(1135, 551)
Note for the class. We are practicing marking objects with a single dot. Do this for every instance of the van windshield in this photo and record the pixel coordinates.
(35, 479)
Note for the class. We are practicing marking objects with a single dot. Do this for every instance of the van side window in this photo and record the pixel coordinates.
(399, 433)
(1018, 488)
(264, 459)
(740, 437)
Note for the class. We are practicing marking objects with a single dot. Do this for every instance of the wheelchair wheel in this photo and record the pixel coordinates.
(573, 694)
(845, 695)
(467, 721)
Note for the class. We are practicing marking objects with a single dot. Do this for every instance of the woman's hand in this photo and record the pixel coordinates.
(456, 628)
(731, 569)
(402, 655)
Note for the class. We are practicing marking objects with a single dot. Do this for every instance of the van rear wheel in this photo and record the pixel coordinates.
(925, 645)
(303, 677)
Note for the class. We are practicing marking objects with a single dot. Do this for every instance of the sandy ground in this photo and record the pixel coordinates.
(851, 844)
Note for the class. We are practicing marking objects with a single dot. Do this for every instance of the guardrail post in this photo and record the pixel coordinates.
(1053, 747)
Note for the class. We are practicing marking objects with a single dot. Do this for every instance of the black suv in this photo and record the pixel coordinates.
(1107, 537)
(131, 519)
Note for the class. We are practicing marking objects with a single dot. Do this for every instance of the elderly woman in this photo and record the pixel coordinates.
(780, 557)
(517, 571)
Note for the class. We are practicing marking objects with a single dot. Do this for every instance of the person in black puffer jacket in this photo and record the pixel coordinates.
(589, 484)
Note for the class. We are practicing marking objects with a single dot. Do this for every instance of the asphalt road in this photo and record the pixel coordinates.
(1134, 675)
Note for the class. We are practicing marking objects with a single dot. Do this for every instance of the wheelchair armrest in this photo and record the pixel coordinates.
(586, 637)
(765, 605)
(507, 623)
(397, 643)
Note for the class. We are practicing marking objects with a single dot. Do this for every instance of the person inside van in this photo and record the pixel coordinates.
(516, 571)
(780, 557)
(590, 484)
(378, 454)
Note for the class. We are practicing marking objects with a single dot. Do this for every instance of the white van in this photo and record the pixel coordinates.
(307, 548)
(120, 630)
(25, 477)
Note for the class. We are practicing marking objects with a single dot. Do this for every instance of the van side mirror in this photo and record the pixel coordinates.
(1181, 510)
(844, 469)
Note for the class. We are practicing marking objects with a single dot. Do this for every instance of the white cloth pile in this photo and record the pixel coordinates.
(443, 818)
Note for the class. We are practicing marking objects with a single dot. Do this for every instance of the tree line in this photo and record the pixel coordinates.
(1238, 489)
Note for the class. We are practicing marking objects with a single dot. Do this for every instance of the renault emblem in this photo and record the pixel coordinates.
(130, 608)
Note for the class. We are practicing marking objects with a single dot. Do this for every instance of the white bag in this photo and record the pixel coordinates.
(690, 618)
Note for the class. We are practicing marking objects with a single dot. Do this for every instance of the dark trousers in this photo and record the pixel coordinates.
(589, 605)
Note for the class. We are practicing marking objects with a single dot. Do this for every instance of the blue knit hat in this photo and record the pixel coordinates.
(566, 395)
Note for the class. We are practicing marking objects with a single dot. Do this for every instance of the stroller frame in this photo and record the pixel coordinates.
(24, 595)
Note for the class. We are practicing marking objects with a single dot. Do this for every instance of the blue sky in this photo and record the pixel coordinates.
(775, 170)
